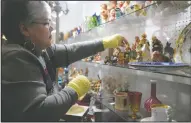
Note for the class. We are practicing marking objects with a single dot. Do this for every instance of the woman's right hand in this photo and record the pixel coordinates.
(81, 85)
(114, 41)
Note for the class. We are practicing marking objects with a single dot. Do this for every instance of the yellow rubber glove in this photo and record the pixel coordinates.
(113, 41)
(81, 85)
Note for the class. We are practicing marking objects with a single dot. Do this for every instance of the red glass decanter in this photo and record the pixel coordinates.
(153, 99)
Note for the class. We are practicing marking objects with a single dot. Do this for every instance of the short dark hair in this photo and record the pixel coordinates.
(13, 13)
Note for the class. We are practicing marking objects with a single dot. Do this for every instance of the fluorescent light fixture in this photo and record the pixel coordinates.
(72, 2)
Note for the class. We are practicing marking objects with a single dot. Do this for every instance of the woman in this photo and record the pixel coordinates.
(29, 90)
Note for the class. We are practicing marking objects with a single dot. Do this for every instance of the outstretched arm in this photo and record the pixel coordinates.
(63, 55)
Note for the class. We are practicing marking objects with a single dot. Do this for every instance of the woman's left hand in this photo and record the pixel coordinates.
(114, 41)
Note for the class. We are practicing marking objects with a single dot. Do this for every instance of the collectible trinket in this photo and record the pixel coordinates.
(168, 51)
(112, 15)
(156, 45)
(118, 12)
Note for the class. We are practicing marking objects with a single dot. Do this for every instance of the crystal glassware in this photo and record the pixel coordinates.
(135, 102)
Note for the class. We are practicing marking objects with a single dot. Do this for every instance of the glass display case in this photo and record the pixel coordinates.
(167, 20)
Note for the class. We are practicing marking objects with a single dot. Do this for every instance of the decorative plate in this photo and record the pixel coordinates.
(158, 66)
(183, 46)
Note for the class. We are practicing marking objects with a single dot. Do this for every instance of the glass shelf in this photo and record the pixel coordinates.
(179, 76)
(122, 114)
(157, 14)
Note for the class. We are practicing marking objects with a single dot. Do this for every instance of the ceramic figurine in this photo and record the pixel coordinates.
(113, 4)
(112, 15)
(126, 7)
(146, 53)
(107, 60)
(133, 52)
(143, 40)
(118, 12)
(75, 33)
(121, 58)
(120, 5)
(137, 41)
(104, 16)
(157, 56)
(139, 56)
(127, 54)
(80, 72)
(156, 45)
(137, 8)
(113, 60)
(168, 51)
(86, 72)
(97, 57)
(79, 30)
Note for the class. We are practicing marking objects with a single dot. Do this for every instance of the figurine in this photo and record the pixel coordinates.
(156, 45)
(97, 57)
(121, 58)
(80, 72)
(112, 15)
(118, 12)
(107, 60)
(145, 48)
(137, 41)
(74, 32)
(104, 7)
(137, 8)
(86, 72)
(143, 40)
(157, 56)
(139, 56)
(104, 13)
(168, 51)
(79, 30)
(104, 16)
(126, 7)
(120, 4)
(146, 53)
(133, 53)
(127, 54)
(113, 60)
(113, 4)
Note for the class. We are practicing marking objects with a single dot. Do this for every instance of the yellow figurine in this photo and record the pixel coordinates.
(143, 39)
(121, 58)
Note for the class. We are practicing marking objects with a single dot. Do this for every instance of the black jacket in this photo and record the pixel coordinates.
(24, 85)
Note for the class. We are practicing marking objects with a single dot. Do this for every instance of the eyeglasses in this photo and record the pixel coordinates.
(46, 24)
(43, 23)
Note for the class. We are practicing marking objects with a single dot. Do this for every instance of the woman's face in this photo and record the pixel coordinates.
(40, 28)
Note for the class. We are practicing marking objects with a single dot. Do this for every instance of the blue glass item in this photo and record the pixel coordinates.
(98, 19)
(59, 80)
(66, 79)
(132, 7)
(79, 30)
(118, 12)
(94, 20)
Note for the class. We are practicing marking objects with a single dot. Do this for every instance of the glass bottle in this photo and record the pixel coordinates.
(153, 99)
